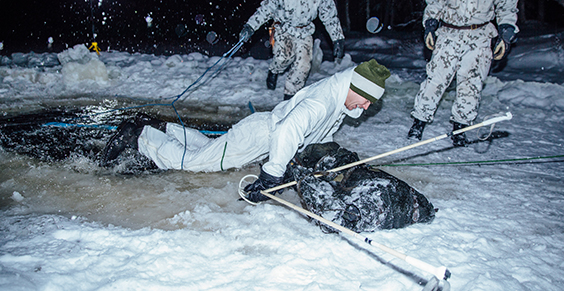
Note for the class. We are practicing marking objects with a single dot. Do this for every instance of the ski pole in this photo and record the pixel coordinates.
(442, 273)
(507, 116)
(490, 121)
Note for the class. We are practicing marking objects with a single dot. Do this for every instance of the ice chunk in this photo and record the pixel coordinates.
(16, 196)
(94, 69)
(79, 54)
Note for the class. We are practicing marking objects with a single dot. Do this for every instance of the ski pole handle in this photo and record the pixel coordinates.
(442, 273)
(507, 116)
(490, 121)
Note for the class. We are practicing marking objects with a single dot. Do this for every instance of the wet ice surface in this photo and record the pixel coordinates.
(78, 188)
(54, 161)
(69, 224)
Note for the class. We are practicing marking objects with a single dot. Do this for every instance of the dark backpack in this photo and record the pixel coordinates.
(361, 198)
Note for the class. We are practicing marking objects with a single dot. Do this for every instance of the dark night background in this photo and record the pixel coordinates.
(26, 25)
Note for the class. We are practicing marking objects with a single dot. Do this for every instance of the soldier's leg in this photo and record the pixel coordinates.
(282, 58)
(474, 68)
(440, 72)
(283, 54)
(245, 142)
(299, 71)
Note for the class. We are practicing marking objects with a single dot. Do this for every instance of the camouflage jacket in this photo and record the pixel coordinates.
(295, 17)
(468, 12)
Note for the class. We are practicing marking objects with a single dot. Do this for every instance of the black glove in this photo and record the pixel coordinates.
(431, 25)
(339, 48)
(246, 33)
(506, 36)
(265, 181)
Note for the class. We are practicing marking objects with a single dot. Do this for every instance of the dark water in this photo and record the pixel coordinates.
(59, 133)
(56, 168)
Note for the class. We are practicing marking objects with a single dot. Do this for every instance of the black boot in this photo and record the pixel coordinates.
(459, 140)
(271, 80)
(288, 97)
(126, 137)
(416, 130)
(142, 119)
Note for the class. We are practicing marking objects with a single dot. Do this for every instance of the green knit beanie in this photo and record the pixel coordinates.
(368, 80)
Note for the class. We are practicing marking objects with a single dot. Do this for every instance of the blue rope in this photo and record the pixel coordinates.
(62, 124)
(113, 127)
(226, 55)
(251, 107)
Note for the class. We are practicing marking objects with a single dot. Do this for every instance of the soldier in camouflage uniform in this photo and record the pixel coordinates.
(460, 33)
(293, 40)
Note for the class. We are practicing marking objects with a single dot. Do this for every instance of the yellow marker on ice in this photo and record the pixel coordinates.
(95, 47)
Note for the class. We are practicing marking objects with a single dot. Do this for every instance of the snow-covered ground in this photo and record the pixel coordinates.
(71, 225)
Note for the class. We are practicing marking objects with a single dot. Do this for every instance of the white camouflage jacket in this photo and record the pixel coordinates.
(467, 12)
(295, 17)
(313, 115)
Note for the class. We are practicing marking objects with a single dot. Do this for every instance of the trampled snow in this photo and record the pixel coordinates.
(71, 225)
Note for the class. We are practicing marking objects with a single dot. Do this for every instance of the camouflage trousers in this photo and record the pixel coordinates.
(461, 53)
(295, 53)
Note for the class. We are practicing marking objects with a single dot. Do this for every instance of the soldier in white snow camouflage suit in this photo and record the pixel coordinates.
(293, 40)
(460, 33)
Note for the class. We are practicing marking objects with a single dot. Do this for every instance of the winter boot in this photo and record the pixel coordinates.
(416, 130)
(459, 140)
(142, 119)
(126, 137)
(271, 80)
(288, 97)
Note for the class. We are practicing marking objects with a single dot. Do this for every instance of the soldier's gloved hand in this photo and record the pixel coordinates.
(339, 48)
(265, 181)
(246, 33)
(431, 26)
(506, 36)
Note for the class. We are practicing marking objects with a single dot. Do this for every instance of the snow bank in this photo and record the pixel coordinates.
(73, 226)
(533, 94)
(79, 64)
(79, 71)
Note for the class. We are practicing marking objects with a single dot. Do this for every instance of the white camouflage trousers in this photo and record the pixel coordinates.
(186, 148)
(465, 54)
(296, 53)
